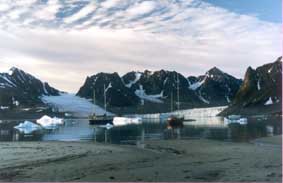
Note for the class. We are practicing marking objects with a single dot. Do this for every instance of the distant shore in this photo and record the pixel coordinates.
(170, 160)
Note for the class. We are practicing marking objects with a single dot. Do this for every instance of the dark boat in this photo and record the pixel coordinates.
(100, 120)
(175, 122)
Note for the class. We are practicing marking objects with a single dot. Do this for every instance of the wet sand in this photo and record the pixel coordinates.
(170, 160)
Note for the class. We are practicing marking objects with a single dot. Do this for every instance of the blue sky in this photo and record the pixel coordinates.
(269, 10)
(83, 37)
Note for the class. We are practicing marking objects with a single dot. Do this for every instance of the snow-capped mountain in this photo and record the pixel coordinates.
(161, 88)
(117, 94)
(215, 87)
(261, 91)
(18, 87)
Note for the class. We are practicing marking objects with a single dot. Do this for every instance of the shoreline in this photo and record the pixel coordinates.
(160, 160)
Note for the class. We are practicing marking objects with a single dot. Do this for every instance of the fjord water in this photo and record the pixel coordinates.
(206, 127)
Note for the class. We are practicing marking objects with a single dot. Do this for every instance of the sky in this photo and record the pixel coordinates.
(64, 41)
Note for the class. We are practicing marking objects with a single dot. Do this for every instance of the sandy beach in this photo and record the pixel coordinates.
(170, 160)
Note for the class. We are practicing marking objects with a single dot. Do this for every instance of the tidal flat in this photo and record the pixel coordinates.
(158, 160)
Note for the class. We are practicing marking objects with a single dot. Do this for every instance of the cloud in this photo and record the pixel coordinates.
(189, 36)
(81, 13)
(48, 11)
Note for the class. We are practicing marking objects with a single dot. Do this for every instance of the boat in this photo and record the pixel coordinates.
(237, 119)
(121, 121)
(100, 119)
(176, 120)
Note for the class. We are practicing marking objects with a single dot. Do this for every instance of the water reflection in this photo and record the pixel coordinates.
(211, 128)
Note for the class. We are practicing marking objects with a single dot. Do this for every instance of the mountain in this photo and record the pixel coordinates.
(160, 86)
(117, 93)
(20, 88)
(261, 91)
(155, 90)
(215, 87)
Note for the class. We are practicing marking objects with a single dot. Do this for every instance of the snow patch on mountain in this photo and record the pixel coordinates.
(228, 99)
(152, 98)
(269, 101)
(138, 77)
(258, 85)
(196, 85)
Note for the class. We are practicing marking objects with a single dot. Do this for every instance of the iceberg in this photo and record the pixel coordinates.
(27, 127)
(121, 121)
(50, 123)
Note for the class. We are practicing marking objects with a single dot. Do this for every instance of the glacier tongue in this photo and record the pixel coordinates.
(80, 107)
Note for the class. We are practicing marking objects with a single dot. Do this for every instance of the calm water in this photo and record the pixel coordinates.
(211, 128)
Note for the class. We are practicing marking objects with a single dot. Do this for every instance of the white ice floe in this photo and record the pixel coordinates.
(78, 106)
(4, 107)
(269, 101)
(27, 127)
(152, 98)
(235, 119)
(120, 121)
(50, 123)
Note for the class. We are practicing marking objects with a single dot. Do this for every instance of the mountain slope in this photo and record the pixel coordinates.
(261, 91)
(161, 85)
(215, 87)
(20, 88)
(117, 93)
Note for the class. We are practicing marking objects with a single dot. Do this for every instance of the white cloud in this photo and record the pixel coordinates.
(81, 13)
(187, 36)
(48, 11)
(141, 8)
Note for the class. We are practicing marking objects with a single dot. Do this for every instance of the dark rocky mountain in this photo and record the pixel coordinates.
(20, 88)
(117, 93)
(215, 87)
(261, 91)
(158, 88)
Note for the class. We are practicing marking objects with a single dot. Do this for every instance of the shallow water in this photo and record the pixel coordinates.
(210, 128)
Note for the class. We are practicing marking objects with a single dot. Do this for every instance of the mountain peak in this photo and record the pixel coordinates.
(215, 70)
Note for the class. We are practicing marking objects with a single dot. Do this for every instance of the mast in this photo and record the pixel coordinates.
(172, 102)
(104, 98)
(178, 92)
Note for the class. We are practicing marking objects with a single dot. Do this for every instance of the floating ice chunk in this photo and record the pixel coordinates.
(120, 121)
(4, 107)
(269, 102)
(27, 127)
(50, 123)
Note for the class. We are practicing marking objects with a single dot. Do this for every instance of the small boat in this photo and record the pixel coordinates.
(235, 119)
(175, 121)
(100, 119)
(120, 121)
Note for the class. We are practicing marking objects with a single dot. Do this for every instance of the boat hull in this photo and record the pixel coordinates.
(175, 122)
(100, 121)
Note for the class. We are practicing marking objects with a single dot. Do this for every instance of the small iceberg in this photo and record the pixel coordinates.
(235, 119)
(27, 127)
(50, 123)
(120, 121)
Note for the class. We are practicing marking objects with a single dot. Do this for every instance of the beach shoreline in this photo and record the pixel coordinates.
(197, 160)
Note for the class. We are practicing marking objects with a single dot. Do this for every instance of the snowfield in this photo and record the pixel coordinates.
(71, 103)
